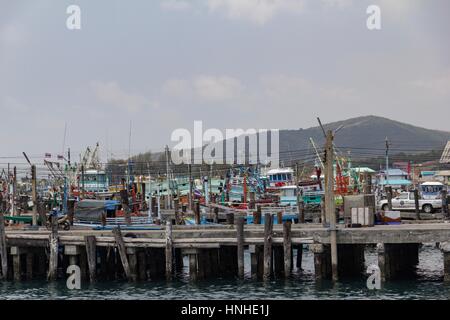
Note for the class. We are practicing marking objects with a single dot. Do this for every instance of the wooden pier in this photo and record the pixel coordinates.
(213, 251)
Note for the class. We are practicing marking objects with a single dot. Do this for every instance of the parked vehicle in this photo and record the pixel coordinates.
(405, 201)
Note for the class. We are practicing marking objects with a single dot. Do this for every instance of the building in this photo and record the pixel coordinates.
(396, 178)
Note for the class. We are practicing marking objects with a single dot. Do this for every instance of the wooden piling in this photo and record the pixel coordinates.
(122, 252)
(257, 216)
(230, 218)
(54, 244)
(389, 197)
(193, 266)
(240, 246)
(132, 260)
(268, 229)
(169, 251)
(279, 217)
(91, 253)
(197, 212)
(142, 265)
(3, 250)
(17, 265)
(287, 246)
(216, 215)
(416, 203)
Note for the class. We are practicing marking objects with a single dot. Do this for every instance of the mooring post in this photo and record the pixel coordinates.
(3, 250)
(444, 203)
(268, 229)
(54, 244)
(416, 203)
(287, 247)
(257, 215)
(169, 251)
(122, 251)
(142, 264)
(445, 247)
(230, 218)
(299, 256)
(29, 263)
(279, 217)
(389, 197)
(91, 253)
(132, 260)
(197, 212)
(216, 215)
(240, 246)
(176, 207)
(15, 253)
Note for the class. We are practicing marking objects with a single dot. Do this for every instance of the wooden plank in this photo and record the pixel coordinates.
(122, 252)
(91, 253)
(3, 249)
(53, 243)
(268, 229)
(240, 246)
(287, 247)
(169, 251)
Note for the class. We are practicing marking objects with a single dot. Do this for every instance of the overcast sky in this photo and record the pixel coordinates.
(231, 63)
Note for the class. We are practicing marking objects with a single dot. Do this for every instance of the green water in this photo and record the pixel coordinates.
(427, 284)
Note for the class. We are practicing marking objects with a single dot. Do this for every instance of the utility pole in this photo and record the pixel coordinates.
(14, 195)
(330, 202)
(190, 186)
(82, 181)
(387, 162)
(34, 194)
(168, 199)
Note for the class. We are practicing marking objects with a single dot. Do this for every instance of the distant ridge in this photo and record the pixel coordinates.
(364, 133)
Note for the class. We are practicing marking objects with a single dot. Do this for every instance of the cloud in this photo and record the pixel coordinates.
(204, 87)
(112, 94)
(217, 88)
(255, 11)
(439, 85)
(178, 88)
(175, 5)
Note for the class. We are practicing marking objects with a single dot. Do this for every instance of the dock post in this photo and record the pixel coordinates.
(257, 215)
(389, 196)
(268, 230)
(91, 253)
(253, 261)
(54, 244)
(122, 252)
(230, 218)
(322, 260)
(197, 212)
(73, 252)
(445, 247)
(169, 250)
(287, 248)
(240, 246)
(279, 217)
(132, 259)
(3, 251)
(142, 265)
(216, 215)
(29, 264)
(17, 266)
(299, 259)
(416, 203)
(193, 261)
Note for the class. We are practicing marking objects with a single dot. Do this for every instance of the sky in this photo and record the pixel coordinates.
(161, 65)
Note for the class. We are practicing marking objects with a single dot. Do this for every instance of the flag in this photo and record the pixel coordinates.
(60, 157)
(48, 155)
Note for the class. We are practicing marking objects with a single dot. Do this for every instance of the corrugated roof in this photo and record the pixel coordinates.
(395, 182)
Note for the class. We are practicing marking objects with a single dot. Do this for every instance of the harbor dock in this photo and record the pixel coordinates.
(214, 251)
